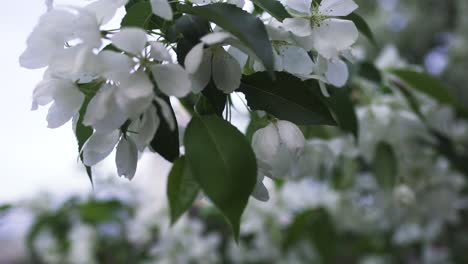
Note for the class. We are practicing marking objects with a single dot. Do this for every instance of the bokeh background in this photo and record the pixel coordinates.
(41, 178)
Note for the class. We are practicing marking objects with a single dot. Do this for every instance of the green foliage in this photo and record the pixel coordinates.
(430, 86)
(166, 141)
(182, 189)
(139, 14)
(274, 8)
(385, 166)
(287, 98)
(343, 109)
(223, 163)
(249, 29)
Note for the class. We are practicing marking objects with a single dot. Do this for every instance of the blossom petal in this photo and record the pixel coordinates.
(265, 143)
(296, 60)
(126, 158)
(134, 94)
(226, 70)
(132, 40)
(166, 112)
(194, 58)
(145, 127)
(172, 79)
(337, 73)
(99, 146)
(300, 6)
(337, 7)
(298, 26)
(67, 102)
(202, 76)
(215, 37)
(162, 9)
(159, 52)
(334, 36)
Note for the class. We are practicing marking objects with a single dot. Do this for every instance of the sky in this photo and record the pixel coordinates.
(34, 158)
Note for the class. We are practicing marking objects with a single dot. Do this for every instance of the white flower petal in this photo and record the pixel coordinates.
(265, 143)
(226, 70)
(298, 26)
(159, 52)
(134, 94)
(215, 37)
(132, 40)
(103, 113)
(126, 158)
(300, 6)
(334, 36)
(67, 102)
(239, 55)
(194, 58)
(162, 8)
(172, 79)
(291, 136)
(146, 128)
(202, 76)
(99, 146)
(337, 73)
(337, 7)
(166, 112)
(296, 60)
(105, 9)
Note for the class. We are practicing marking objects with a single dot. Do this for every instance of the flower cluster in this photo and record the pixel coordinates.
(117, 82)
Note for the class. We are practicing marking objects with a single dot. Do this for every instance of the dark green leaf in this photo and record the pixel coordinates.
(249, 29)
(426, 84)
(274, 8)
(287, 98)
(343, 108)
(187, 31)
(362, 26)
(385, 166)
(223, 163)
(182, 189)
(215, 98)
(96, 212)
(82, 132)
(141, 15)
(370, 72)
(166, 141)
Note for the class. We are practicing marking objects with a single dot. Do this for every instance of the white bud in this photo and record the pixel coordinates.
(277, 147)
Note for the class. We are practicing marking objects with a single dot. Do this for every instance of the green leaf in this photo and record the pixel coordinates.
(82, 132)
(287, 98)
(385, 166)
(370, 72)
(274, 8)
(426, 84)
(187, 31)
(249, 29)
(166, 141)
(362, 26)
(431, 87)
(182, 189)
(223, 163)
(140, 15)
(96, 212)
(343, 109)
(215, 98)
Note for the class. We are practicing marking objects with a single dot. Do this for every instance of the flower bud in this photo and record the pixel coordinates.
(277, 147)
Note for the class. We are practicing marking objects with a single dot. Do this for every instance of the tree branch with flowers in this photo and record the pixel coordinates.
(289, 59)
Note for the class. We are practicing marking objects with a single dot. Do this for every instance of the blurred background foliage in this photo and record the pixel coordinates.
(391, 198)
